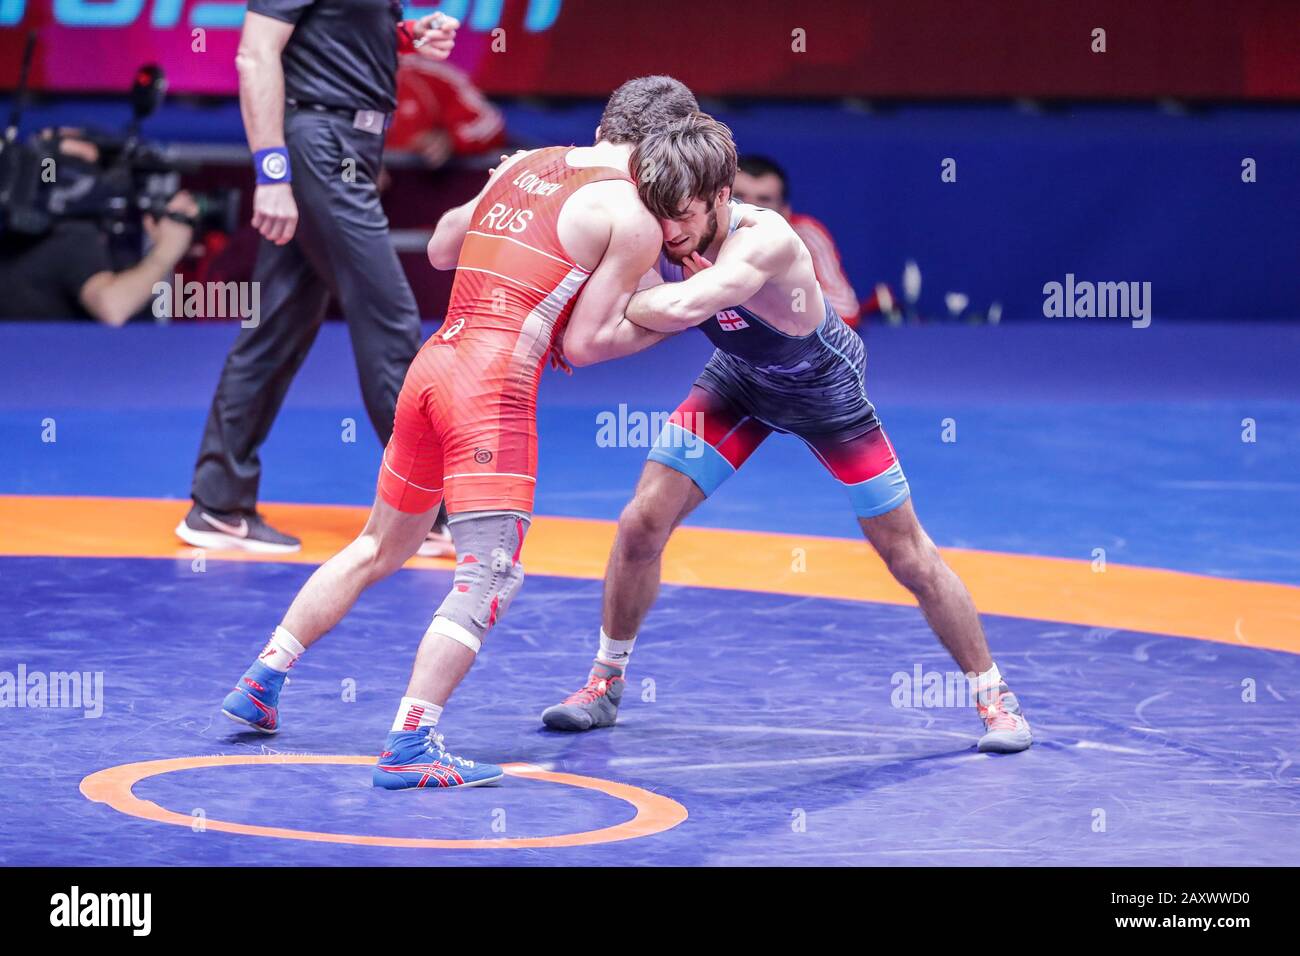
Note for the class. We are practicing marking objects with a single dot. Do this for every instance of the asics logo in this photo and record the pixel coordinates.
(455, 327)
(239, 531)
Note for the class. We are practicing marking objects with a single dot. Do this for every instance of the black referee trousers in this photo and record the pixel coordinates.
(342, 247)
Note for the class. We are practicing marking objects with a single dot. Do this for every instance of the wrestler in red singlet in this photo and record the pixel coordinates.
(466, 424)
(466, 416)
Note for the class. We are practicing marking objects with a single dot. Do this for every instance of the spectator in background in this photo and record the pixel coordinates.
(68, 273)
(761, 182)
(440, 114)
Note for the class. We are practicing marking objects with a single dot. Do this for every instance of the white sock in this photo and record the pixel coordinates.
(615, 653)
(416, 714)
(982, 683)
(282, 651)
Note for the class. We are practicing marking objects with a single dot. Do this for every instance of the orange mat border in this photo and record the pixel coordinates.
(1251, 613)
(655, 813)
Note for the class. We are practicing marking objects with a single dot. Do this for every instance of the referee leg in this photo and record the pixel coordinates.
(256, 376)
(383, 321)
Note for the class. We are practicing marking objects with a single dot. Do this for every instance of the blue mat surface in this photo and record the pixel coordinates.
(1068, 437)
(769, 717)
(772, 720)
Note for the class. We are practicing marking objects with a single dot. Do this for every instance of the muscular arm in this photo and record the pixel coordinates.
(449, 235)
(597, 329)
(752, 256)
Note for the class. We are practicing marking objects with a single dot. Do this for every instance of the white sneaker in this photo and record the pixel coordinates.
(247, 531)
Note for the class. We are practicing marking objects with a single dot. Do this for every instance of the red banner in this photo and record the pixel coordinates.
(1215, 49)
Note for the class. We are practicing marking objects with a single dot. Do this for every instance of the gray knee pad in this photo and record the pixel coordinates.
(487, 573)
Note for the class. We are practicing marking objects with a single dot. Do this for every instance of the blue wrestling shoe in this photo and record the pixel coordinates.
(256, 698)
(414, 759)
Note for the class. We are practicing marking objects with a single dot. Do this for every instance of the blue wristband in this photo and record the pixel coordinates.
(272, 165)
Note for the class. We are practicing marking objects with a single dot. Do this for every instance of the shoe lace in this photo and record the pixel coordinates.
(438, 748)
(594, 688)
(996, 717)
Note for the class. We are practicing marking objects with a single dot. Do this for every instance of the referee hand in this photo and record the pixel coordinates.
(275, 214)
(435, 35)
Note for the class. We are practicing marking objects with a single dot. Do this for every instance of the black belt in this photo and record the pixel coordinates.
(369, 121)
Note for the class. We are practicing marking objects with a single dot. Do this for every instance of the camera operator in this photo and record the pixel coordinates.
(67, 273)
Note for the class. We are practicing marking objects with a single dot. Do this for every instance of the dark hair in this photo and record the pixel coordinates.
(756, 165)
(693, 158)
(641, 106)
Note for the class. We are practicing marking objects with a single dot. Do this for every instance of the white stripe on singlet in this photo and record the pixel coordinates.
(384, 459)
(535, 333)
(500, 276)
(490, 474)
(491, 235)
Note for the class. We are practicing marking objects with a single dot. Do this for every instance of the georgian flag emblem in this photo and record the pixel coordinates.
(731, 321)
(274, 166)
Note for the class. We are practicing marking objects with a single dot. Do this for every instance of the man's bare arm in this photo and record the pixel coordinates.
(597, 329)
(113, 297)
(261, 102)
(449, 235)
(749, 259)
(261, 79)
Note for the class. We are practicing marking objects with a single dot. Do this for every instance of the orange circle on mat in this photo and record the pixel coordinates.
(654, 813)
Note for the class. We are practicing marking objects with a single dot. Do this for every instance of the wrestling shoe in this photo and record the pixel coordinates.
(417, 759)
(256, 698)
(1007, 730)
(248, 531)
(596, 705)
